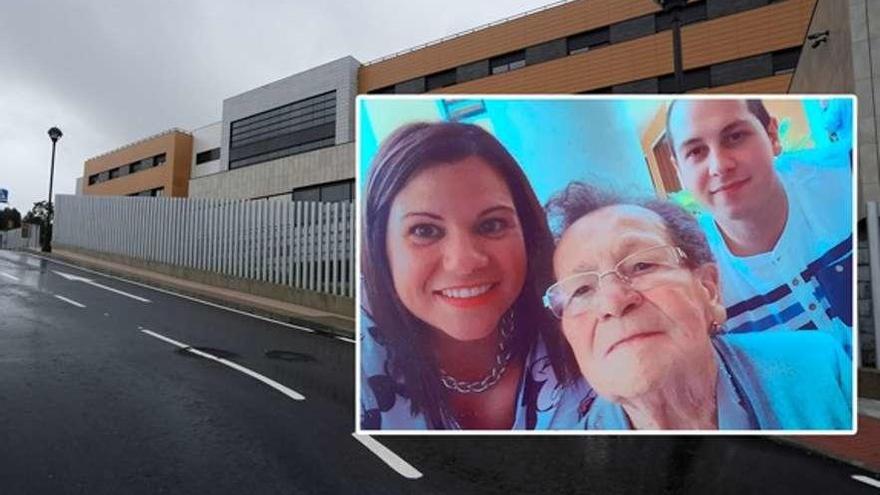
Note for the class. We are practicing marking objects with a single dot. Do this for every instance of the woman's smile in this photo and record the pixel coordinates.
(468, 296)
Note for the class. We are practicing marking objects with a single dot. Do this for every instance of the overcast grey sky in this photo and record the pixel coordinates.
(109, 73)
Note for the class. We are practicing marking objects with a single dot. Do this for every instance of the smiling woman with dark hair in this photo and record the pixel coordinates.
(455, 254)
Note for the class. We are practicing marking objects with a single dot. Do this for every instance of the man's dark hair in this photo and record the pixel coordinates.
(579, 199)
(755, 107)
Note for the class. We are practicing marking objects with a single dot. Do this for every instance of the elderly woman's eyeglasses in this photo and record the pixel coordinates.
(641, 270)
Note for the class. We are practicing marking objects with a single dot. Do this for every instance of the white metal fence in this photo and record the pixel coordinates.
(298, 244)
(28, 236)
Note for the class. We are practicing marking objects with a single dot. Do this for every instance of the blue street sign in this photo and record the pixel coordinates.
(4, 196)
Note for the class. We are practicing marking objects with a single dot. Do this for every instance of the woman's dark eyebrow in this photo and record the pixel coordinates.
(493, 209)
(423, 214)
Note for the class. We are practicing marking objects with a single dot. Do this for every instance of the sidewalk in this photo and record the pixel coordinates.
(332, 323)
(861, 449)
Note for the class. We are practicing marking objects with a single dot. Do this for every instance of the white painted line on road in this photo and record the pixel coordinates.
(866, 480)
(77, 278)
(182, 296)
(345, 339)
(13, 277)
(70, 301)
(293, 394)
(393, 460)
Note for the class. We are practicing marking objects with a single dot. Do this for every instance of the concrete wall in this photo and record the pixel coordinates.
(204, 139)
(278, 176)
(339, 75)
(864, 17)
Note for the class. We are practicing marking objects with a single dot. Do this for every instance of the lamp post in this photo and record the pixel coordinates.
(54, 135)
(673, 7)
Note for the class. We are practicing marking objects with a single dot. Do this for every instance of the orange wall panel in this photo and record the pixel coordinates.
(173, 175)
(547, 25)
(763, 30)
(731, 37)
(632, 60)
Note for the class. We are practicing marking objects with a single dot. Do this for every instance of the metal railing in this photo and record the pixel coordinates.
(304, 245)
(469, 31)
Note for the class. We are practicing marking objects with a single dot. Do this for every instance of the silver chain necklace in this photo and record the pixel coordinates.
(502, 359)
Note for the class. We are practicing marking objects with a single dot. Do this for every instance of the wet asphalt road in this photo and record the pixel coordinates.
(90, 403)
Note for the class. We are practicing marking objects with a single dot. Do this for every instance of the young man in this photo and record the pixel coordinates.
(780, 225)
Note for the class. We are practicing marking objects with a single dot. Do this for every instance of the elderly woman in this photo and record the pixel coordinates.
(455, 254)
(638, 296)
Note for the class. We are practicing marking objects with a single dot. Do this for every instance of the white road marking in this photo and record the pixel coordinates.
(293, 394)
(182, 296)
(13, 277)
(345, 339)
(77, 278)
(393, 460)
(866, 480)
(70, 301)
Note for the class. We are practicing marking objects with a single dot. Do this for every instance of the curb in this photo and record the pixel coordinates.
(321, 328)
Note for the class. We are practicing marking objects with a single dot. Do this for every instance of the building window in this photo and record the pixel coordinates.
(329, 192)
(440, 80)
(155, 192)
(589, 40)
(693, 12)
(93, 179)
(508, 62)
(387, 90)
(785, 61)
(114, 173)
(208, 156)
(297, 127)
(693, 79)
(141, 165)
(158, 160)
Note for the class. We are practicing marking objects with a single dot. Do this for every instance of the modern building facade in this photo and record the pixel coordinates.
(290, 139)
(616, 46)
(156, 166)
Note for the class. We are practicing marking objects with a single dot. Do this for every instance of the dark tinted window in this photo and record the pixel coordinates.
(786, 60)
(588, 40)
(330, 192)
(508, 62)
(294, 128)
(208, 156)
(440, 80)
(694, 12)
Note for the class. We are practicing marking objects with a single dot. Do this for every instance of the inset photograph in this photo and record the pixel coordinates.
(596, 265)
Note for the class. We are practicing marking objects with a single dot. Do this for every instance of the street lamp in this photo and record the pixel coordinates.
(673, 8)
(54, 135)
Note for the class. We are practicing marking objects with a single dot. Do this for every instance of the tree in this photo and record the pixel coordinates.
(38, 213)
(10, 218)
